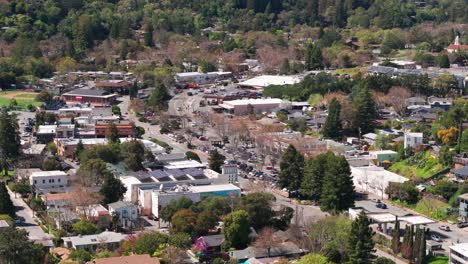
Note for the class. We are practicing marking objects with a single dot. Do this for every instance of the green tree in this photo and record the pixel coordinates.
(216, 160)
(407, 245)
(291, 169)
(383, 260)
(113, 136)
(92, 172)
(192, 156)
(159, 98)
(6, 205)
(84, 227)
(112, 189)
(123, 49)
(116, 110)
(338, 189)
(51, 164)
(206, 221)
(314, 171)
(133, 154)
(133, 91)
(366, 111)
(149, 242)
(258, 207)
(396, 237)
(184, 221)
(443, 61)
(445, 188)
(313, 259)
(44, 96)
(313, 57)
(168, 211)
(149, 34)
(9, 139)
(52, 148)
(79, 148)
(236, 229)
(360, 242)
(16, 248)
(80, 255)
(459, 114)
(285, 67)
(333, 128)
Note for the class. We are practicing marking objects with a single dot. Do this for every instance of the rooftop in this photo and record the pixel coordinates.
(48, 173)
(461, 248)
(254, 101)
(120, 204)
(133, 259)
(462, 171)
(104, 237)
(416, 220)
(89, 92)
(185, 164)
(85, 141)
(377, 152)
(214, 188)
(266, 80)
(4, 223)
(34, 149)
(47, 129)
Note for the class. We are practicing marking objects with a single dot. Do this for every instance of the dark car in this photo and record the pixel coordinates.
(462, 224)
(381, 206)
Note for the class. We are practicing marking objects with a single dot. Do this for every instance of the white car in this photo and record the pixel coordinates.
(444, 227)
(436, 238)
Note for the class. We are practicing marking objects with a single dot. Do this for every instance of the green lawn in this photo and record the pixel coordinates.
(424, 167)
(22, 98)
(429, 207)
(438, 260)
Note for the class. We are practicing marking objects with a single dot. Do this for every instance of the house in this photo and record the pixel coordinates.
(383, 155)
(415, 101)
(413, 140)
(107, 239)
(369, 138)
(208, 246)
(461, 173)
(46, 133)
(66, 147)
(133, 259)
(458, 254)
(353, 43)
(62, 216)
(456, 46)
(58, 199)
(260, 82)
(442, 103)
(285, 249)
(463, 207)
(114, 86)
(95, 213)
(127, 212)
(48, 181)
(94, 97)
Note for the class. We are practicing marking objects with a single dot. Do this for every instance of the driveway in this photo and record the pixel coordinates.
(35, 232)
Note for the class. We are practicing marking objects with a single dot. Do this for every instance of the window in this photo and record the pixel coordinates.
(35, 182)
(43, 181)
(58, 180)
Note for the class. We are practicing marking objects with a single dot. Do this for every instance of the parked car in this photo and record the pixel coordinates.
(444, 227)
(376, 200)
(462, 224)
(436, 238)
(381, 205)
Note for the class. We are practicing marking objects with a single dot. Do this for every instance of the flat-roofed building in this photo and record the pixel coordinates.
(94, 97)
(48, 181)
(248, 106)
(46, 133)
(458, 254)
(374, 179)
(124, 129)
(260, 82)
(113, 86)
(66, 147)
(111, 240)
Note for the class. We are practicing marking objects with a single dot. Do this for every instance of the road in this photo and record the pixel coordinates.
(35, 232)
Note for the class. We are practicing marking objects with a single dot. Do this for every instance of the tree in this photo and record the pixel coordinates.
(407, 245)
(16, 248)
(159, 97)
(133, 91)
(383, 260)
(216, 160)
(313, 57)
(6, 205)
(116, 110)
(314, 171)
(149, 34)
(79, 148)
(366, 112)
(149, 242)
(84, 227)
(258, 207)
(44, 96)
(267, 239)
(445, 188)
(192, 156)
(112, 189)
(338, 189)
(184, 221)
(113, 136)
(396, 237)
(52, 147)
(51, 164)
(406, 192)
(9, 139)
(206, 221)
(92, 172)
(168, 211)
(419, 247)
(133, 154)
(80, 255)
(314, 259)
(236, 229)
(291, 169)
(443, 61)
(333, 128)
(360, 241)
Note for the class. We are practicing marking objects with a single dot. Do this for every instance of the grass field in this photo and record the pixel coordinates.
(429, 207)
(425, 167)
(438, 260)
(23, 99)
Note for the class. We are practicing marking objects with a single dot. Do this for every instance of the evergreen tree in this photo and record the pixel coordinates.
(314, 170)
(360, 243)
(123, 49)
(113, 136)
(159, 97)
(216, 160)
(396, 237)
(313, 57)
(6, 205)
(337, 190)
(285, 67)
(407, 245)
(149, 34)
(133, 91)
(365, 109)
(9, 139)
(333, 128)
(443, 61)
(312, 11)
(291, 169)
(79, 148)
(419, 246)
(112, 189)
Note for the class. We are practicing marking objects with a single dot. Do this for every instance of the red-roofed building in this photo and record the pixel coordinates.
(454, 48)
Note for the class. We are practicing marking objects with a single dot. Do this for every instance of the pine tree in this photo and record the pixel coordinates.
(6, 205)
(419, 246)
(407, 245)
(366, 112)
(79, 148)
(312, 11)
(313, 57)
(149, 34)
(112, 189)
(333, 128)
(338, 189)
(216, 160)
(314, 171)
(291, 169)
(123, 49)
(360, 243)
(396, 237)
(9, 139)
(133, 91)
(113, 136)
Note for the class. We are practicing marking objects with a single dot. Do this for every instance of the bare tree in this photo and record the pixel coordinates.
(174, 255)
(397, 97)
(267, 239)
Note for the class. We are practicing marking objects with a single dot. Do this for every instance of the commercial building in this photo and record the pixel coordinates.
(94, 97)
(260, 82)
(48, 181)
(374, 179)
(127, 212)
(66, 147)
(114, 86)
(124, 129)
(248, 106)
(463, 207)
(458, 254)
(109, 240)
(230, 172)
(46, 133)
(200, 77)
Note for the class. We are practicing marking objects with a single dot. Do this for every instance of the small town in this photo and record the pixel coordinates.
(234, 132)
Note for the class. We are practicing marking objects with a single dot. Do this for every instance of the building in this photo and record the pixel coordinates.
(94, 97)
(184, 164)
(230, 172)
(66, 147)
(260, 82)
(65, 131)
(58, 199)
(114, 86)
(463, 208)
(208, 246)
(95, 213)
(46, 133)
(127, 211)
(441, 103)
(200, 77)
(383, 155)
(124, 129)
(251, 106)
(133, 259)
(3, 224)
(48, 181)
(109, 240)
(413, 140)
(456, 46)
(374, 179)
(458, 254)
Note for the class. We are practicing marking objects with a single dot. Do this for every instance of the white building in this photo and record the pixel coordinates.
(374, 179)
(458, 254)
(413, 140)
(200, 77)
(127, 211)
(260, 82)
(48, 180)
(230, 172)
(110, 240)
(256, 106)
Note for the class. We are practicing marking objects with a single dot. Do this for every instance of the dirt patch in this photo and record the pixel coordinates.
(17, 94)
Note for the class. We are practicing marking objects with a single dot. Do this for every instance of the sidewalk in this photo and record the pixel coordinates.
(397, 260)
